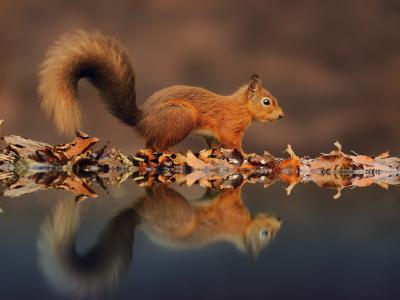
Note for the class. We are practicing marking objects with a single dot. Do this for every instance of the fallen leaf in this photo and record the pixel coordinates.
(194, 162)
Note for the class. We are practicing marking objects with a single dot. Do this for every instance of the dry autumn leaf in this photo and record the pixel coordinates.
(76, 167)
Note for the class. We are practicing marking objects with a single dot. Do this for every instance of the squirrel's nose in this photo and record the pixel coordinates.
(280, 116)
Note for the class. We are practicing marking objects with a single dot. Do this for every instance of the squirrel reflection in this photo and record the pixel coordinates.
(170, 220)
(167, 219)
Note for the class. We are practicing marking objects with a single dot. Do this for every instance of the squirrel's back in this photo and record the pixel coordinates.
(167, 117)
(98, 58)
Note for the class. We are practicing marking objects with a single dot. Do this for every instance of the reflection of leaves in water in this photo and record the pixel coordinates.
(167, 218)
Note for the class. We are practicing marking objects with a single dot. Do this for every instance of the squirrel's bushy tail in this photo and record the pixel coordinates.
(98, 58)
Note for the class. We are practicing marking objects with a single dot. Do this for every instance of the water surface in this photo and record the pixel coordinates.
(325, 248)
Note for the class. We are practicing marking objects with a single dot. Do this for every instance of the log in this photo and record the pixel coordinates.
(28, 166)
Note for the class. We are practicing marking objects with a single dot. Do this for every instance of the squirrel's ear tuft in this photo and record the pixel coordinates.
(255, 83)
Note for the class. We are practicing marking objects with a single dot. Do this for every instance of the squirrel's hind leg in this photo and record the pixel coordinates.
(171, 125)
(212, 142)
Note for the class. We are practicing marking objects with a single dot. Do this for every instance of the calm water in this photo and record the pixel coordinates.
(180, 247)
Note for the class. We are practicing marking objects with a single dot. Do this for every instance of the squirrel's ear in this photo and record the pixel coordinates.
(255, 83)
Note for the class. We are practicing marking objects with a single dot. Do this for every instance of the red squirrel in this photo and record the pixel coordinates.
(167, 117)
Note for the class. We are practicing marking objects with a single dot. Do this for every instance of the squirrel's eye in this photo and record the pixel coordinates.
(265, 101)
(263, 233)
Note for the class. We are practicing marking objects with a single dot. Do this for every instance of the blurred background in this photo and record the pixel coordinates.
(334, 66)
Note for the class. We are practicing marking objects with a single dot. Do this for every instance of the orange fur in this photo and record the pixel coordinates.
(167, 117)
(165, 216)
(218, 216)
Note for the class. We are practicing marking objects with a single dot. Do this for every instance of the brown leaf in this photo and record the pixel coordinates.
(194, 162)
(383, 155)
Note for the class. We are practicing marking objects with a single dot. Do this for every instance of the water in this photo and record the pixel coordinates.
(324, 248)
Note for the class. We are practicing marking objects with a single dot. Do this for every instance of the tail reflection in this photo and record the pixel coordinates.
(94, 272)
(167, 218)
